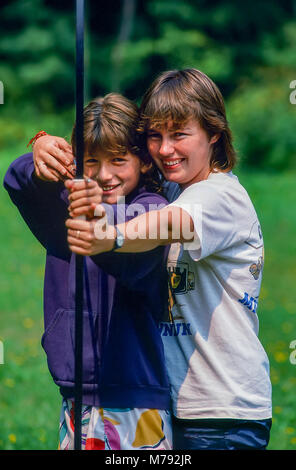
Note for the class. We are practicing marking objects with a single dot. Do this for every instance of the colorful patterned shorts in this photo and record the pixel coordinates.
(116, 429)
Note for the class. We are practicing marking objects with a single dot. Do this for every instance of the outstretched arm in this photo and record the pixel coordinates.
(143, 233)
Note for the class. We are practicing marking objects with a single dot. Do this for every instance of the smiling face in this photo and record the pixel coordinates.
(116, 175)
(182, 154)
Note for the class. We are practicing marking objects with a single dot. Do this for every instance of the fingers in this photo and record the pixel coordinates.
(48, 163)
(81, 240)
(82, 184)
(78, 224)
(55, 146)
(64, 145)
(82, 201)
(83, 230)
(53, 159)
(82, 237)
(83, 198)
(63, 155)
(83, 210)
(46, 174)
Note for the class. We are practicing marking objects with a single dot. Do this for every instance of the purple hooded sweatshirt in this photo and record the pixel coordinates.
(125, 297)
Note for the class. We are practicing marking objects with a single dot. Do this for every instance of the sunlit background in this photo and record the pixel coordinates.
(249, 50)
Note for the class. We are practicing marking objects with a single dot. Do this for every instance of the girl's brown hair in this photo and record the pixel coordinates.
(181, 95)
(110, 126)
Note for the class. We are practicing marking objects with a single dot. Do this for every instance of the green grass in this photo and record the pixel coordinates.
(274, 197)
(30, 402)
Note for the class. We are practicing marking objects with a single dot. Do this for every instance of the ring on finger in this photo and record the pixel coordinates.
(42, 163)
(77, 233)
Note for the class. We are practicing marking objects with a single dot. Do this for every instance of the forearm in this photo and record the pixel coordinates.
(156, 228)
(19, 174)
(21, 179)
(143, 233)
(40, 204)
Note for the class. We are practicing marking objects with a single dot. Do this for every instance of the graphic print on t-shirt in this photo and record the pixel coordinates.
(256, 268)
(181, 280)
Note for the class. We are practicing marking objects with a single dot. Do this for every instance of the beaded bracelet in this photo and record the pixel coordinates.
(39, 134)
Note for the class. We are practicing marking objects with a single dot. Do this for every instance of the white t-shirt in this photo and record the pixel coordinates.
(216, 363)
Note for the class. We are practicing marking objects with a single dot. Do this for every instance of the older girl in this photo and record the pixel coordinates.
(218, 369)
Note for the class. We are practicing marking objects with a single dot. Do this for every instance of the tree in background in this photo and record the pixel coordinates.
(246, 48)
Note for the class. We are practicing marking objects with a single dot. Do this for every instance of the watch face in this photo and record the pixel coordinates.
(119, 239)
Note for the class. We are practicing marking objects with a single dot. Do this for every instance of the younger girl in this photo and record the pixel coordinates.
(125, 385)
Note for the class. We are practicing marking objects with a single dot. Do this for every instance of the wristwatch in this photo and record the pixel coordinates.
(119, 240)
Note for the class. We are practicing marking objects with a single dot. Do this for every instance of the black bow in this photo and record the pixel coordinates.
(79, 258)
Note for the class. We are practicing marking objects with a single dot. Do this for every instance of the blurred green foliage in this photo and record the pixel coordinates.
(247, 48)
